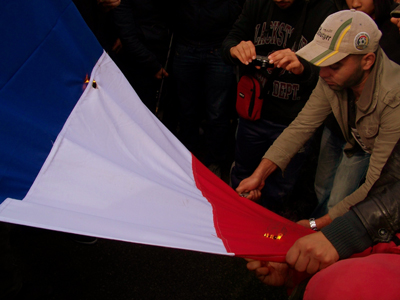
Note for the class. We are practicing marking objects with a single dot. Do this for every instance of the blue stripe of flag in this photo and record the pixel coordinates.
(47, 51)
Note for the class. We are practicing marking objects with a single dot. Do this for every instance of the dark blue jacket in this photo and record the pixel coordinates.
(143, 30)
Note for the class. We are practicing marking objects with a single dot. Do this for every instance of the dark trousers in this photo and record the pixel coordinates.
(253, 139)
(203, 81)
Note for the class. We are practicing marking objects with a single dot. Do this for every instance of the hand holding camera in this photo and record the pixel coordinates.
(286, 59)
(262, 62)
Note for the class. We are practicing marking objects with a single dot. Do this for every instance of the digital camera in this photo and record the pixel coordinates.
(263, 62)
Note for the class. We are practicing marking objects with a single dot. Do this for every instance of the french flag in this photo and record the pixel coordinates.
(80, 153)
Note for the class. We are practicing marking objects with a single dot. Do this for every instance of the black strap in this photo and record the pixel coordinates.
(253, 97)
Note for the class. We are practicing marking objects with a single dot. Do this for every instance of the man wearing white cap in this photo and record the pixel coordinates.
(360, 85)
(372, 80)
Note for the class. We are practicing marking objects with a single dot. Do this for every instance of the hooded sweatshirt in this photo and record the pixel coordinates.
(288, 93)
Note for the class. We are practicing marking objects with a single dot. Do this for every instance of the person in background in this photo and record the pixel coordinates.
(98, 17)
(144, 32)
(262, 28)
(203, 80)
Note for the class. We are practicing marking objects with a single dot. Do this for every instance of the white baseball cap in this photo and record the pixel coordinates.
(342, 33)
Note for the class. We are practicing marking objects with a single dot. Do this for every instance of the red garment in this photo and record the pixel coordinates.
(376, 276)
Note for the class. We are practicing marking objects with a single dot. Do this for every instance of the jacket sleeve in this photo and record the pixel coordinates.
(129, 34)
(375, 219)
(348, 235)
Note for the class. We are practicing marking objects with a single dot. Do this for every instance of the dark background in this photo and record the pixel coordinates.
(54, 266)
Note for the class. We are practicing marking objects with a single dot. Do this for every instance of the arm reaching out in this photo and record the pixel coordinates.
(310, 253)
(256, 181)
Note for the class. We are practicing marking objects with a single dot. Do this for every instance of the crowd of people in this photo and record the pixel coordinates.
(333, 69)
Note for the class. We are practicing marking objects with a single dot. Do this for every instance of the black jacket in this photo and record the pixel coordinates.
(289, 92)
(374, 220)
(203, 23)
(143, 30)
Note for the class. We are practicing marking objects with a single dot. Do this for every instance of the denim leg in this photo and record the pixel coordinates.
(219, 79)
(337, 175)
(188, 74)
(330, 154)
(349, 175)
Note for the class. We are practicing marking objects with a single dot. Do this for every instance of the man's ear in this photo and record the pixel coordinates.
(368, 61)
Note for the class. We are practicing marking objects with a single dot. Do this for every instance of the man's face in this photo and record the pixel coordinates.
(283, 4)
(346, 73)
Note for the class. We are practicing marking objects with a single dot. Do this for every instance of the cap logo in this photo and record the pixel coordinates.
(361, 40)
(335, 43)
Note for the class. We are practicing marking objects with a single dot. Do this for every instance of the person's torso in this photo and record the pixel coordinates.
(287, 93)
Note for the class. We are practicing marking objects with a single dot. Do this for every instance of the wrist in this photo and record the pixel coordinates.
(323, 221)
(265, 168)
(231, 52)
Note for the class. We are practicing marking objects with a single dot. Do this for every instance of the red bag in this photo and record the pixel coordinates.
(248, 100)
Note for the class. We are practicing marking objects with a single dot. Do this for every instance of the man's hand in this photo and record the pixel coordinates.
(254, 184)
(312, 253)
(117, 46)
(396, 21)
(320, 222)
(286, 59)
(244, 51)
(107, 5)
(162, 73)
(271, 273)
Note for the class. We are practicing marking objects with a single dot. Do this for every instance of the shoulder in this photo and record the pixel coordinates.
(389, 82)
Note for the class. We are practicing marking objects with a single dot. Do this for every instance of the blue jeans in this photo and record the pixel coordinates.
(253, 140)
(337, 175)
(204, 80)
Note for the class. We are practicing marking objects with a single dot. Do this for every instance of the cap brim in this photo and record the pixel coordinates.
(320, 56)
